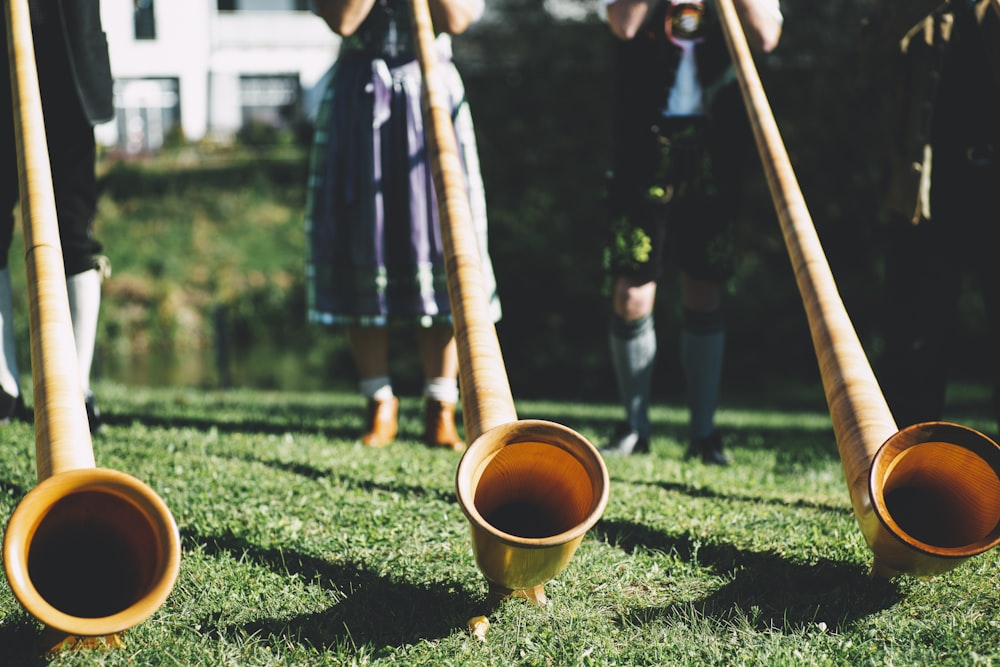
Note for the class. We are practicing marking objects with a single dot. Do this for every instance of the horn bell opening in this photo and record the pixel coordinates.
(935, 487)
(531, 490)
(91, 552)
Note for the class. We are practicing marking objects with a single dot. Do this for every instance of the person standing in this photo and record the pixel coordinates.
(944, 223)
(75, 84)
(375, 251)
(678, 122)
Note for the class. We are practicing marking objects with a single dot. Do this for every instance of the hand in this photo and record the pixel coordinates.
(455, 16)
(343, 16)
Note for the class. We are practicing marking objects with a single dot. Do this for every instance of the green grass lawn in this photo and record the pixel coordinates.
(301, 547)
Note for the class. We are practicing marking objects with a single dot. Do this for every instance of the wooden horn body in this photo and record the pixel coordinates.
(89, 552)
(927, 497)
(530, 489)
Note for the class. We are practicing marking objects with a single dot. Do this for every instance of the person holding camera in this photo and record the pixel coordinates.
(679, 124)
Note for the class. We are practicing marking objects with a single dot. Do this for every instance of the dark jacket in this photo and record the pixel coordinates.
(77, 23)
(89, 61)
(645, 72)
(647, 64)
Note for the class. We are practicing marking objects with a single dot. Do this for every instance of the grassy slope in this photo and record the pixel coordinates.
(303, 548)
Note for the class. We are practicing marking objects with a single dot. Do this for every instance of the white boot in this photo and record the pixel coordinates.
(9, 373)
(84, 291)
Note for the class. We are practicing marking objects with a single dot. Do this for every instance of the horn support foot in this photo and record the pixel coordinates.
(57, 642)
(497, 594)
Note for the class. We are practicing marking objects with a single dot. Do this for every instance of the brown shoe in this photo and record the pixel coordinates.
(382, 422)
(439, 425)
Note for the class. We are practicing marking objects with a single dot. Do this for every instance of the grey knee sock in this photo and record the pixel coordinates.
(633, 353)
(378, 387)
(702, 342)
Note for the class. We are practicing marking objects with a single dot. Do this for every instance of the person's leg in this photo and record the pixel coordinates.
(710, 178)
(84, 290)
(72, 158)
(632, 342)
(439, 360)
(702, 347)
(921, 293)
(370, 349)
(639, 195)
(990, 285)
(976, 245)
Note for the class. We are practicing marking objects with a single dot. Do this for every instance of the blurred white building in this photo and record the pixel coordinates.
(205, 68)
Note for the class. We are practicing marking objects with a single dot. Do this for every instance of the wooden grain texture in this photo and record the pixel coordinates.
(89, 552)
(863, 425)
(62, 433)
(486, 394)
(861, 417)
(543, 484)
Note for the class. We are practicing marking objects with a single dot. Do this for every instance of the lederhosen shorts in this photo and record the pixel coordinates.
(668, 204)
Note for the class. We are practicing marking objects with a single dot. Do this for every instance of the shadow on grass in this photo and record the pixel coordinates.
(765, 590)
(13, 490)
(701, 492)
(20, 637)
(352, 482)
(379, 610)
(792, 444)
(21, 644)
(277, 426)
(312, 420)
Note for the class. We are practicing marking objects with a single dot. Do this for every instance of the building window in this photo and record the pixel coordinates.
(147, 112)
(263, 5)
(145, 20)
(272, 100)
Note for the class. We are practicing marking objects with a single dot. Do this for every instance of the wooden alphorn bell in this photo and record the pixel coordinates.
(530, 489)
(927, 497)
(89, 552)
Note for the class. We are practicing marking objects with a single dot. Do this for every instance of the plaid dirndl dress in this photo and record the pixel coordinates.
(374, 242)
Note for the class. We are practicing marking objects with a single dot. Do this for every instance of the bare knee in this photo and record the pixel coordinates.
(632, 301)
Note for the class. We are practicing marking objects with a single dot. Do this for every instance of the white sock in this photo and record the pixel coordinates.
(9, 374)
(444, 390)
(84, 307)
(378, 387)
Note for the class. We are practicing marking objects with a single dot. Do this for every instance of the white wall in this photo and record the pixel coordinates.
(207, 52)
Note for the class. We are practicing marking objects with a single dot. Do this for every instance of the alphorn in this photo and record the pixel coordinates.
(926, 497)
(530, 489)
(89, 552)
